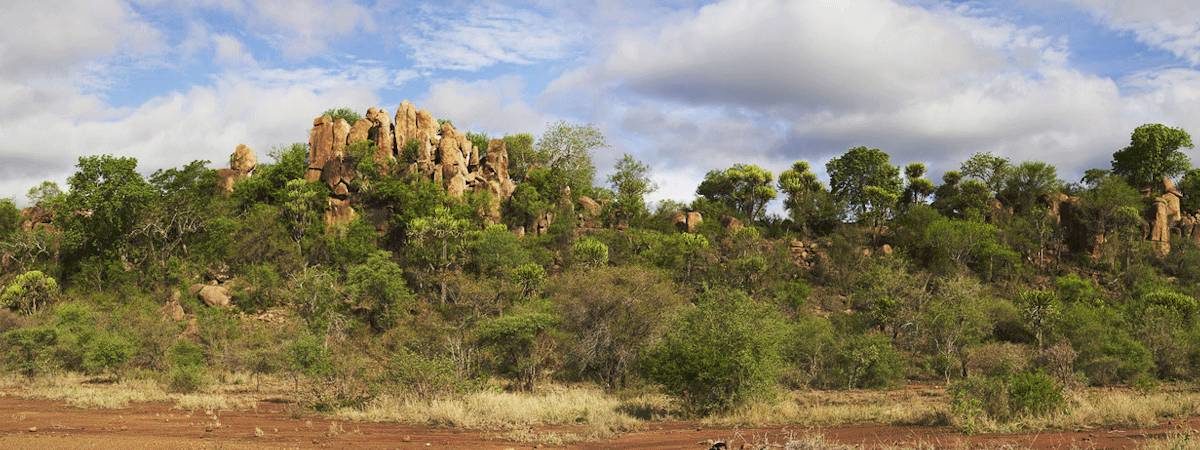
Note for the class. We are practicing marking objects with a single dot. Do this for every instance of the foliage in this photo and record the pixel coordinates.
(1153, 153)
(631, 181)
(186, 362)
(10, 217)
(589, 252)
(864, 178)
(29, 292)
(1004, 398)
(568, 148)
(520, 343)
(808, 203)
(745, 188)
(725, 352)
(347, 114)
(377, 287)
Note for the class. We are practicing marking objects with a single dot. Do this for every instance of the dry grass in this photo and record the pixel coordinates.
(599, 415)
(1109, 407)
(910, 405)
(1176, 441)
(85, 392)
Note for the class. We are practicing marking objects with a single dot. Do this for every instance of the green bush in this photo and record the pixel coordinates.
(29, 292)
(105, 353)
(187, 372)
(309, 356)
(589, 252)
(424, 376)
(864, 361)
(722, 354)
(29, 351)
(1003, 398)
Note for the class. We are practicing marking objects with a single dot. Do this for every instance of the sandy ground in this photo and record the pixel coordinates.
(28, 423)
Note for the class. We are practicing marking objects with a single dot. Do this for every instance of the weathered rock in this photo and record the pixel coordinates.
(243, 160)
(542, 224)
(341, 136)
(454, 153)
(381, 134)
(320, 146)
(1160, 227)
(338, 174)
(589, 212)
(212, 294)
(241, 165)
(173, 309)
(732, 224)
(885, 249)
(687, 222)
(36, 217)
(360, 131)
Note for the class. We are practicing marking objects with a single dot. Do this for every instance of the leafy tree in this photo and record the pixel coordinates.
(10, 217)
(612, 316)
(589, 252)
(631, 180)
(269, 183)
(568, 148)
(1190, 184)
(992, 170)
(439, 243)
(105, 203)
(303, 204)
(917, 188)
(479, 141)
(745, 188)
(29, 292)
(521, 155)
(349, 115)
(45, 194)
(809, 204)
(520, 342)
(1040, 309)
(722, 354)
(1029, 182)
(864, 178)
(495, 251)
(956, 320)
(378, 290)
(1153, 154)
(864, 361)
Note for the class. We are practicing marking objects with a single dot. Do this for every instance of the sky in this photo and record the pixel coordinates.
(685, 86)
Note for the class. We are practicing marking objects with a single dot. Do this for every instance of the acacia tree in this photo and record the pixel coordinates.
(1153, 154)
(988, 168)
(745, 188)
(106, 199)
(852, 173)
(568, 147)
(631, 181)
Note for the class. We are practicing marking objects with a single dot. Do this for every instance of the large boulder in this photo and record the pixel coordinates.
(241, 165)
(381, 134)
(338, 174)
(687, 221)
(214, 295)
(320, 146)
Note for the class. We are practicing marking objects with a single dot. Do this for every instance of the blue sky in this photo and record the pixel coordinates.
(686, 86)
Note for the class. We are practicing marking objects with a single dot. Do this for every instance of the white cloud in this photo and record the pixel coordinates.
(494, 106)
(304, 28)
(1172, 25)
(486, 35)
(228, 50)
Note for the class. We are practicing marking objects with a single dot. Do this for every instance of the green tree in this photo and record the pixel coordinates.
(106, 201)
(612, 315)
(724, 353)
(568, 148)
(521, 155)
(1027, 183)
(808, 202)
(1153, 154)
(29, 292)
(1040, 309)
(378, 291)
(917, 188)
(589, 252)
(631, 181)
(45, 194)
(992, 170)
(520, 343)
(349, 115)
(439, 243)
(853, 175)
(1190, 185)
(745, 188)
(10, 217)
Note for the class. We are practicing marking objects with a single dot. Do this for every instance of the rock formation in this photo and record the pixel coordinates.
(36, 217)
(241, 165)
(338, 174)
(1164, 216)
(688, 222)
(212, 294)
(436, 152)
(589, 213)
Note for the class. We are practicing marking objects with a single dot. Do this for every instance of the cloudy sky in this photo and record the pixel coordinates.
(686, 86)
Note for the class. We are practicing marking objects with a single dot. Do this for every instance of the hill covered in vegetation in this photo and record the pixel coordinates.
(398, 255)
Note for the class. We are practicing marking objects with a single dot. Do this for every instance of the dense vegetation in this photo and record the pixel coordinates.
(879, 277)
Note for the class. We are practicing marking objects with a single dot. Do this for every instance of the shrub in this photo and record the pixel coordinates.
(29, 351)
(106, 352)
(309, 356)
(378, 289)
(424, 376)
(612, 315)
(519, 343)
(29, 292)
(998, 359)
(722, 354)
(187, 371)
(343, 113)
(589, 252)
(1004, 398)
(864, 361)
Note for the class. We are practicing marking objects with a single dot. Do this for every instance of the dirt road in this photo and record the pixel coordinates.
(45, 424)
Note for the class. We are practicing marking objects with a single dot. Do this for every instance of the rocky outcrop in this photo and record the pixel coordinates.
(338, 174)
(36, 217)
(241, 165)
(214, 295)
(589, 212)
(688, 221)
(436, 152)
(1165, 214)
